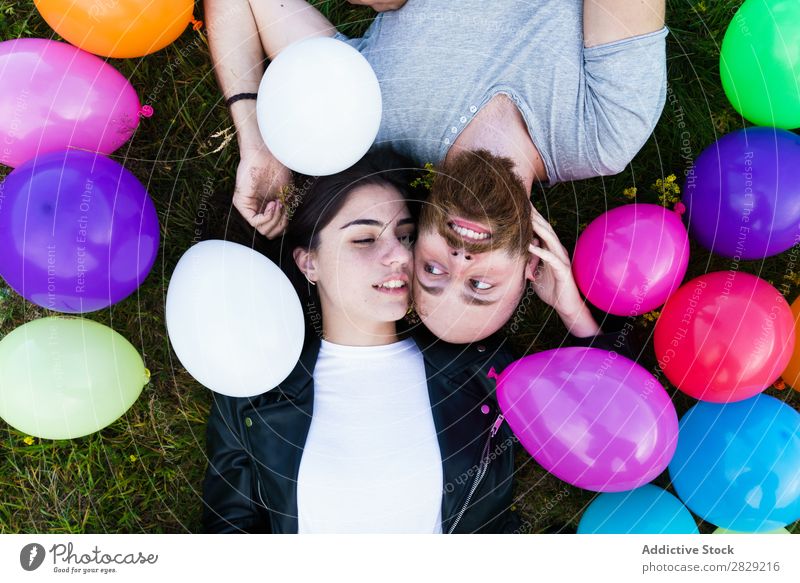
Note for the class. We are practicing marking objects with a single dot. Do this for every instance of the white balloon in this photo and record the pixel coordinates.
(233, 318)
(319, 106)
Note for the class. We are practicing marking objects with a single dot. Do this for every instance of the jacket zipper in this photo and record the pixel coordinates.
(483, 467)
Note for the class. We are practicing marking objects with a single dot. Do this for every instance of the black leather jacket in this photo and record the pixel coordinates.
(254, 444)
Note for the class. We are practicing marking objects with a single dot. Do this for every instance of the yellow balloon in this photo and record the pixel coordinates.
(791, 376)
(118, 28)
(62, 378)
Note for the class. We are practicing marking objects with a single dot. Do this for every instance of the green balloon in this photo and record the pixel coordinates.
(62, 378)
(760, 62)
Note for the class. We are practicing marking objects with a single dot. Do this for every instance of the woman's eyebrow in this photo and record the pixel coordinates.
(374, 223)
(368, 222)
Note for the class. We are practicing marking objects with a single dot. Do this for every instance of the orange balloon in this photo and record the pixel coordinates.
(791, 375)
(118, 28)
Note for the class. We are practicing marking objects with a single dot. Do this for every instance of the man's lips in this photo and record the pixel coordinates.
(469, 230)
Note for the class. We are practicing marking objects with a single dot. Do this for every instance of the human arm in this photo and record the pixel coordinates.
(229, 500)
(606, 21)
(240, 32)
(380, 5)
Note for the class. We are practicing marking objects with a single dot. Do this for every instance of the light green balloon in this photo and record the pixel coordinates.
(721, 530)
(760, 62)
(62, 378)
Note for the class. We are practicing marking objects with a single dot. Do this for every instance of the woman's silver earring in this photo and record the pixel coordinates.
(311, 282)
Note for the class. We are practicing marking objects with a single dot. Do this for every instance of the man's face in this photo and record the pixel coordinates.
(469, 272)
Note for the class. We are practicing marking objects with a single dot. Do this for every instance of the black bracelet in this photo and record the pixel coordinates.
(234, 98)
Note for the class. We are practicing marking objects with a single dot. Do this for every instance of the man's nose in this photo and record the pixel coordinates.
(461, 254)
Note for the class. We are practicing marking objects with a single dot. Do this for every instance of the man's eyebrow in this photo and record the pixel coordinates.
(468, 299)
(434, 291)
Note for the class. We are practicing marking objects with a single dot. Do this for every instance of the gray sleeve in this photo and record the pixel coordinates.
(626, 86)
(356, 43)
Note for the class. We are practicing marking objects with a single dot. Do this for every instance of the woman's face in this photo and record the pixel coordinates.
(362, 265)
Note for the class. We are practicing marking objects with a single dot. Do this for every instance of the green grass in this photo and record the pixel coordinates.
(144, 472)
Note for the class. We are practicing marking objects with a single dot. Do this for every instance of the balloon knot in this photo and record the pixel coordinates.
(780, 384)
(196, 24)
(492, 374)
(679, 208)
(146, 111)
(146, 375)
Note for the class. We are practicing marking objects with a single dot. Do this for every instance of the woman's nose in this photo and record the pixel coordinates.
(399, 253)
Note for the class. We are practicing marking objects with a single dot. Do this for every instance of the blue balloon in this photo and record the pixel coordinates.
(645, 510)
(737, 465)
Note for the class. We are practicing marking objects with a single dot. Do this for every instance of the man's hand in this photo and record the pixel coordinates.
(380, 5)
(554, 282)
(259, 179)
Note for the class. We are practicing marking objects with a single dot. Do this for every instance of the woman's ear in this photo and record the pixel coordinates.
(305, 262)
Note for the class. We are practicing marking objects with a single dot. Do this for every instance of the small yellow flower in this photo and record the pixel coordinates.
(793, 277)
(630, 192)
(28, 440)
(701, 6)
(651, 316)
(667, 189)
(132, 457)
(427, 179)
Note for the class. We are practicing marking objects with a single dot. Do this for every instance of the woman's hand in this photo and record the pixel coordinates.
(380, 5)
(553, 281)
(259, 180)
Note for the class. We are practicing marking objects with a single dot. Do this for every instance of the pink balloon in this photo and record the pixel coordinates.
(55, 96)
(591, 417)
(630, 259)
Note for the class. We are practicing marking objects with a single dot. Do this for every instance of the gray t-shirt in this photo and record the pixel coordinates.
(588, 110)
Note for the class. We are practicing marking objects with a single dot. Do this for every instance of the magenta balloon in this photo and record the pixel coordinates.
(591, 417)
(630, 259)
(54, 96)
(78, 232)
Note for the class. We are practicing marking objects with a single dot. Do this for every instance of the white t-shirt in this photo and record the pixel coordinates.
(371, 462)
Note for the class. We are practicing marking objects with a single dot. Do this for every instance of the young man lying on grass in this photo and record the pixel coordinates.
(564, 89)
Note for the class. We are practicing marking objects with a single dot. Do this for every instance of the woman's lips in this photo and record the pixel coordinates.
(395, 285)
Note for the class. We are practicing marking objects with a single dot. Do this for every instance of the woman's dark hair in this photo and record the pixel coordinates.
(317, 200)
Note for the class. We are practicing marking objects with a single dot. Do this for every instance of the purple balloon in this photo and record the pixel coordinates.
(78, 231)
(55, 96)
(591, 417)
(742, 195)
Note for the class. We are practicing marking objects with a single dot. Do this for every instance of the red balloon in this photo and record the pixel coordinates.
(724, 336)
